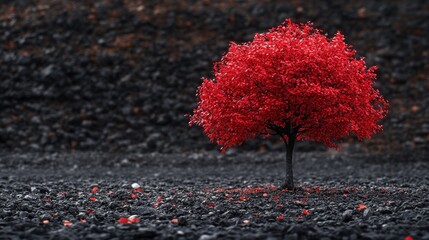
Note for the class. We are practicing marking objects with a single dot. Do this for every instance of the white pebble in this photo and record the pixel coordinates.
(135, 185)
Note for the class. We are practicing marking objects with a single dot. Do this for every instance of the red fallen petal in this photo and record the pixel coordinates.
(361, 207)
(211, 204)
(45, 221)
(67, 223)
(82, 220)
(228, 198)
(276, 198)
(265, 195)
(159, 199)
(243, 198)
(133, 195)
(408, 238)
(299, 217)
(138, 189)
(89, 211)
(175, 221)
(316, 189)
(246, 221)
(123, 220)
(95, 189)
(280, 218)
(305, 212)
(155, 204)
(304, 200)
(93, 199)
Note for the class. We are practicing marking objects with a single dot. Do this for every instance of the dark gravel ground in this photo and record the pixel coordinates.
(213, 196)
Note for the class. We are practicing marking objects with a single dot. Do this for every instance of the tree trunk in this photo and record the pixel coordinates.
(289, 169)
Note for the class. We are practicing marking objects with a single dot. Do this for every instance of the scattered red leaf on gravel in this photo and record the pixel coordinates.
(211, 204)
(159, 199)
(245, 221)
(90, 211)
(265, 195)
(134, 196)
(304, 200)
(243, 198)
(82, 220)
(123, 220)
(305, 212)
(95, 189)
(280, 218)
(175, 221)
(361, 207)
(93, 199)
(408, 238)
(67, 223)
(316, 189)
(276, 198)
(46, 221)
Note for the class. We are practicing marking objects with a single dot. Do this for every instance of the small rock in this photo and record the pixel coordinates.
(146, 233)
(47, 70)
(367, 213)
(135, 185)
(207, 237)
(347, 215)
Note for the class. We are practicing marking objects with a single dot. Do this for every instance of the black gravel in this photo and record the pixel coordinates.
(213, 196)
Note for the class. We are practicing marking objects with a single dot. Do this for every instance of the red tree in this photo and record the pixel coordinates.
(294, 82)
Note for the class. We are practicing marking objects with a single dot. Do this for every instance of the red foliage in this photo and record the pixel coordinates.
(292, 80)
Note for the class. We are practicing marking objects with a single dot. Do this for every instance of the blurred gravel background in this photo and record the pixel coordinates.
(119, 75)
